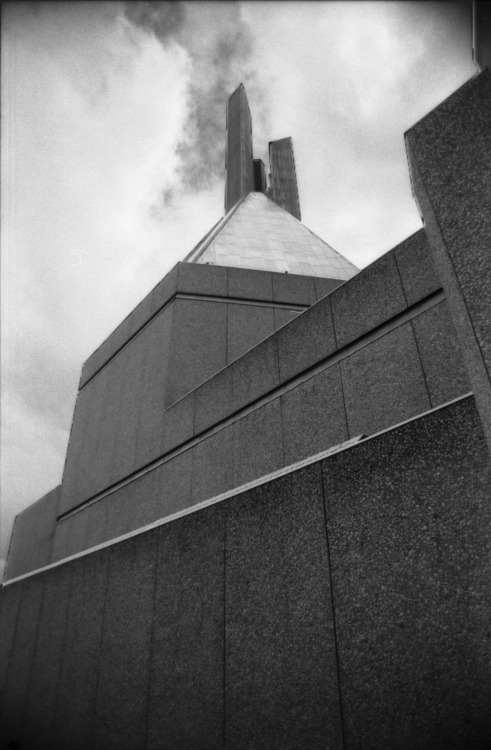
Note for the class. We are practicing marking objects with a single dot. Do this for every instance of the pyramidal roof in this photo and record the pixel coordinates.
(256, 233)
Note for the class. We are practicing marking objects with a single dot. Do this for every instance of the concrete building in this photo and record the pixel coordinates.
(273, 529)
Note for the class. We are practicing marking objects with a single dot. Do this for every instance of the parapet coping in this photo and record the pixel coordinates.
(346, 445)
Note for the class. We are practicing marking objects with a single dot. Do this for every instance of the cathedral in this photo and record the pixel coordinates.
(274, 524)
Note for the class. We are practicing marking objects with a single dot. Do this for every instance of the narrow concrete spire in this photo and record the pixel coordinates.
(284, 190)
(239, 165)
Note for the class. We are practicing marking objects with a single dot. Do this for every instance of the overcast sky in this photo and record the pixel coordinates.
(113, 132)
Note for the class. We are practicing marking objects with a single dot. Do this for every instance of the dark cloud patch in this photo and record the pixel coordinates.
(164, 19)
(220, 47)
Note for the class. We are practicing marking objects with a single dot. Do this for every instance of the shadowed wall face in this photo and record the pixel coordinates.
(239, 166)
(284, 189)
(243, 597)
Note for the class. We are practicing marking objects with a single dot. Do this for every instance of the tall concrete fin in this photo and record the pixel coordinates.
(239, 166)
(284, 190)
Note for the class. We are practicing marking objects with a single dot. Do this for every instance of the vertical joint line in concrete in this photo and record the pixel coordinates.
(152, 632)
(324, 503)
(340, 372)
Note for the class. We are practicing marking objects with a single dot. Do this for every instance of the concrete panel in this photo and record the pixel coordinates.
(451, 174)
(281, 679)
(76, 441)
(445, 374)
(244, 283)
(247, 326)
(256, 373)
(94, 524)
(416, 268)
(114, 342)
(409, 525)
(121, 706)
(257, 443)
(151, 385)
(198, 346)
(282, 316)
(213, 400)
(125, 424)
(165, 290)
(306, 341)
(212, 465)
(367, 300)
(20, 663)
(187, 670)
(196, 278)
(313, 416)
(67, 536)
(32, 536)
(293, 289)
(10, 597)
(325, 286)
(79, 673)
(99, 456)
(37, 721)
(383, 383)
(177, 423)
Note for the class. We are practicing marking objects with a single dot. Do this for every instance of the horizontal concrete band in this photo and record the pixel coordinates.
(346, 445)
(398, 320)
(201, 298)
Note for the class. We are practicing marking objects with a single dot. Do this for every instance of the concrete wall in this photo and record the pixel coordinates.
(449, 152)
(339, 370)
(343, 605)
(119, 416)
(32, 536)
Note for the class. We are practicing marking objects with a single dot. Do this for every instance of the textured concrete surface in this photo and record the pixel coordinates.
(257, 444)
(198, 349)
(383, 383)
(201, 279)
(255, 373)
(239, 180)
(409, 525)
(165, 290)
(32, 536)
(212, 465)
(10, 599)
(38, 716)
(284, 189)
(294, 289)
(213, 400)
(416, 268)
(187, 674)
(22, 652)
(306, 340)
(367, 300)
(282, 316)
(177, 423)
(246, 327)
(313, 416)
(244, 283)
(451, 174)
(146, 652)
(325, 286)
(444, 370)
(121, 703)
(79, 672)
(281, 683)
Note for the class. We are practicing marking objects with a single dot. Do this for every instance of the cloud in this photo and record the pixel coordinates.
(220, 46)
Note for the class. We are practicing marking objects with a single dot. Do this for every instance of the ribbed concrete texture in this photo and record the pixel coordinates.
(343, 605)
(451, 174)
